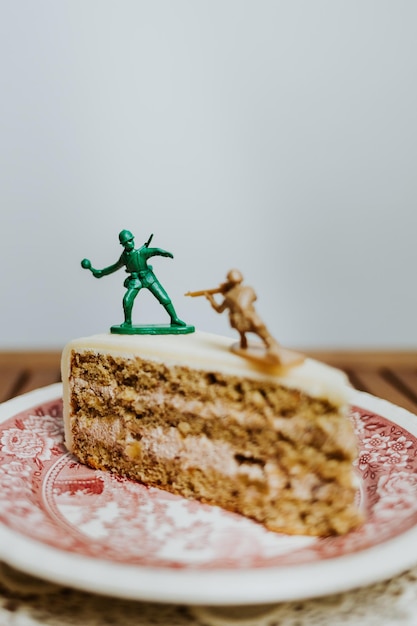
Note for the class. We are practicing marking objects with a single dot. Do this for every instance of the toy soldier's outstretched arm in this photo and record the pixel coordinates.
(86, 264)
(148, 252)
(219, 308)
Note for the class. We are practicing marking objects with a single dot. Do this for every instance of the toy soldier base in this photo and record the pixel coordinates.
(151, 329)
(279, 357)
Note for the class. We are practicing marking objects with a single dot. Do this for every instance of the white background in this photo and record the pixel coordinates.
(277, 137)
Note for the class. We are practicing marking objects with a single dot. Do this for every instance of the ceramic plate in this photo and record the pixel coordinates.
(85, 528)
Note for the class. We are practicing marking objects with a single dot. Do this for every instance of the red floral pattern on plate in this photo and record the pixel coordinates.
(47, 495)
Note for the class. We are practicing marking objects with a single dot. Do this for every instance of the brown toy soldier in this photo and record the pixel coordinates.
(239, 301)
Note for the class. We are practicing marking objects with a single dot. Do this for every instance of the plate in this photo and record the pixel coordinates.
(62, 521)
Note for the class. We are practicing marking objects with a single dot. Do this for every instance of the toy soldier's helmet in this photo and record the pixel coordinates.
(124, 236)
(234, 276)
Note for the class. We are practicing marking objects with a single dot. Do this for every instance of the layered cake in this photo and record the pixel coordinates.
(186, 414)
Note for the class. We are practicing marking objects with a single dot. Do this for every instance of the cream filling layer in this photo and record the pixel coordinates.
(205, 454)
(199, 452)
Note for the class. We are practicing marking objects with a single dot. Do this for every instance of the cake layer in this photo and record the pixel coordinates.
(187, 415)
(205, 351)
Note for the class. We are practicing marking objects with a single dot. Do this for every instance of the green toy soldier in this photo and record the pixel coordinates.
(140, 276)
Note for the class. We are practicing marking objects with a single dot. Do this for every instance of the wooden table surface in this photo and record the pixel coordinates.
(387, 374)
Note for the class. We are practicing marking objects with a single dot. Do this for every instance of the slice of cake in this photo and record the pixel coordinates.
(186, 414)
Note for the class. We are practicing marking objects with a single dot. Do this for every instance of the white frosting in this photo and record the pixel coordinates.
(207, 352)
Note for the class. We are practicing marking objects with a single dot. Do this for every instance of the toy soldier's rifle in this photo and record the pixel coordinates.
(197, 294)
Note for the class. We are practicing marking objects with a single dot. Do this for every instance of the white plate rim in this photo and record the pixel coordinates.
(217, 587)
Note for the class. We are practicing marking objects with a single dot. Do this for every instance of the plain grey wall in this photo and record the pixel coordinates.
(278, 137)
